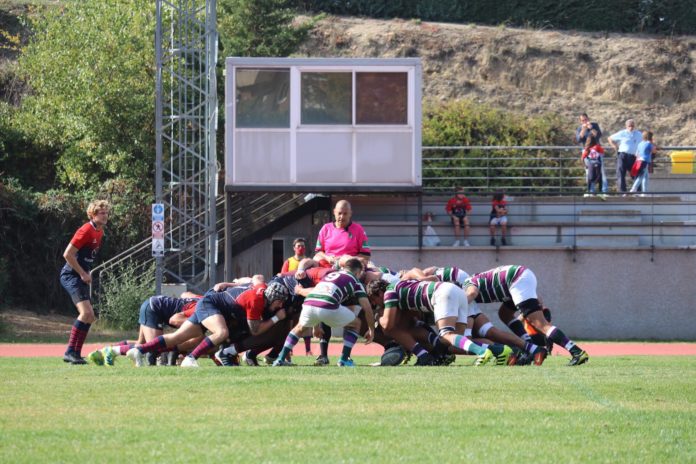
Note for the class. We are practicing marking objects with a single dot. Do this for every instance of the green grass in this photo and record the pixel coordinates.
(621, 409)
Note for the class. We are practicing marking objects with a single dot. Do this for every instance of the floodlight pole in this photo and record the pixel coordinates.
(185, 132)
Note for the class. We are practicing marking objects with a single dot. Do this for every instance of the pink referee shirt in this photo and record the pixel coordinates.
(350, 240)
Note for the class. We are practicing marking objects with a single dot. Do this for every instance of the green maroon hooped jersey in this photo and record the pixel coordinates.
(494, 285)
(410, 295)
(451, 274)
(334, 289)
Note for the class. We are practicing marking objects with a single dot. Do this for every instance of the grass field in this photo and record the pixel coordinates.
(637, 409)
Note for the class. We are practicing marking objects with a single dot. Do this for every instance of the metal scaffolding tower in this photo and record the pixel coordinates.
(186, 119)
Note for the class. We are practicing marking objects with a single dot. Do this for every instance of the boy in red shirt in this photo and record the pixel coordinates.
(498, 217)
(593, 157)
(457, 207)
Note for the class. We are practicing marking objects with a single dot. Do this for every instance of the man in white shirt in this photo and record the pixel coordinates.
(628, 140)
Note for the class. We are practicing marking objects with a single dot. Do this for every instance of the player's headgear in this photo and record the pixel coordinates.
(276, 291)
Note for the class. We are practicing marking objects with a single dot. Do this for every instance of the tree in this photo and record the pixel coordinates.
(260, 27)
(90, 69)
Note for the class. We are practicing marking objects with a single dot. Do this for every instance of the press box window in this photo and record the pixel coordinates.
(326, 98)
(262, 98)
(381, 98)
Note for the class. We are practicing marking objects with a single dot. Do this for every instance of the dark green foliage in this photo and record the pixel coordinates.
(31, 164)
(35, 228)
(465, 123)
(122, 293)
(259, 27)
(659, 16)
(90, 68)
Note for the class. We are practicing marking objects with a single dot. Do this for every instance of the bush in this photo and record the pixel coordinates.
(464, 122)
(121, 292)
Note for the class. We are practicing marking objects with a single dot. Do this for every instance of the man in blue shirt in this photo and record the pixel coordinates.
(628, 140)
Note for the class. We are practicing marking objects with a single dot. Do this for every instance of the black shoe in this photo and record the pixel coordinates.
(425, 360)
(522, 359)
(503, 241)
(226, 360)
(579, 358)
(492, 241)
(73, 358)
(151, 359)
(173, 357)
(445, 359)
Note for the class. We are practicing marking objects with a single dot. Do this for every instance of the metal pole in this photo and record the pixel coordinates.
(211, 126)
(158, 130)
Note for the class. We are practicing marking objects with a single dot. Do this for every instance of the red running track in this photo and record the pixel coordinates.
(26, 350)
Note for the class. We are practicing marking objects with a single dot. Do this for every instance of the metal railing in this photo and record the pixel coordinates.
(250, 214)
(545, 220)
(518, 169)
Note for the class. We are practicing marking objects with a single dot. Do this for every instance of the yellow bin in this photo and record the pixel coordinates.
(682, 162)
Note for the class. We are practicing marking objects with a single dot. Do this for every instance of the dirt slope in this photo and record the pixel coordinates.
(610, 76)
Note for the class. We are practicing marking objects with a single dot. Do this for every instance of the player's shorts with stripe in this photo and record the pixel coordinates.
(76, 288)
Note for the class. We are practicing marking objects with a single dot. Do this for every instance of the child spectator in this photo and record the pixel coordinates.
(644, 157)
(457, 207)
(592, 157)
(498, 217)
(299, 247)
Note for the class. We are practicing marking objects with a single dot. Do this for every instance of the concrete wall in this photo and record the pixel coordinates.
(593, 293)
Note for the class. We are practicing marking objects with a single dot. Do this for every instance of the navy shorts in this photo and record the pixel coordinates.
(76, 288)
(204, 310)
(148, 317)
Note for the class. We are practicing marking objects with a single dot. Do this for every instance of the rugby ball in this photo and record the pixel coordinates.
(393, 356)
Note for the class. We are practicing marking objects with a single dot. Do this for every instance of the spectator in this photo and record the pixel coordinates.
(457, 207)
(582, 133)
(644, 157)
(498, 217)
(592, 157)
(628, 139)
(298, 246)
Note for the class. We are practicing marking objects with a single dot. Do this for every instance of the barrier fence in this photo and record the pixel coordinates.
(540, 169)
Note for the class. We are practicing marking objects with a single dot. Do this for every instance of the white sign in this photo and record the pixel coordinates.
(157, 229)
(157, 247)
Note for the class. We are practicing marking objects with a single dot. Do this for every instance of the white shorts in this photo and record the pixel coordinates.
(499, 221)
(312, 315)
(450, 301)
(524, 288)
(473, 309)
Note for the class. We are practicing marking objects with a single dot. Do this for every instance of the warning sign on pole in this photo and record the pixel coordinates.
(157, 230)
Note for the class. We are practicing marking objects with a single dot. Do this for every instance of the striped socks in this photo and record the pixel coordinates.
(349, 339)
(78, 334)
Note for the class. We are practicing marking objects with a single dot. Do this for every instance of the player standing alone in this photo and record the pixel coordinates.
(75, 277)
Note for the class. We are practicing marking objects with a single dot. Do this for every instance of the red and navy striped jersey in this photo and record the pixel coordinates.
(87, 240)
(166, 307)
